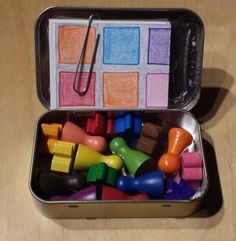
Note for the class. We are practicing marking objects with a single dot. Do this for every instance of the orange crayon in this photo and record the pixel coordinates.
(178, 140)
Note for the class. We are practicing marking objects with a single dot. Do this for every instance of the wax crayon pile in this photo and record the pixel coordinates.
(118, 156)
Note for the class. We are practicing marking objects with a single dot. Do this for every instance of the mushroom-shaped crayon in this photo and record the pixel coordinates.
(86, 157)
(178, 140)
(86, 194)
(73, 133)
(110, 193)
(51, 183)
(136, 162)
(151, 183)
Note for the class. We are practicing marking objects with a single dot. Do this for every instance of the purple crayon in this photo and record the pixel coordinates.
(151, 183)
(86, 194)
(178, 191)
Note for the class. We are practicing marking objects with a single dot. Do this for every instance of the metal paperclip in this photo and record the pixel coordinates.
(84, 91)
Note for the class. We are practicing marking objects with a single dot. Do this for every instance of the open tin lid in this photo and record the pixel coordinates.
(186, 49)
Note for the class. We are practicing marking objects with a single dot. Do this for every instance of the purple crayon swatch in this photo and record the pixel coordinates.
(159, 46)
(86, 194)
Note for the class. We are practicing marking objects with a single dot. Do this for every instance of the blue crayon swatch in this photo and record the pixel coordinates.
(121, 45)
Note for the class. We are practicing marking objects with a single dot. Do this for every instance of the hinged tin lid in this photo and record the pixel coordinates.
(186, 52)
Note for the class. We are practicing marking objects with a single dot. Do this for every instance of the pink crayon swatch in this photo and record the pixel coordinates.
(157, 89)
(120, 89)
(67, 95)
(71, 40)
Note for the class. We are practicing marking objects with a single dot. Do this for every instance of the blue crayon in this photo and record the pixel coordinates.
(151, 183)
(128, 125)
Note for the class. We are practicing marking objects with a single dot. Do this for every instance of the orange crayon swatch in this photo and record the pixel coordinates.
(70, 43)
(120, 89)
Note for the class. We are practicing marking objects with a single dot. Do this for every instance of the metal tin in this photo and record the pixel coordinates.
(152, 208)
(184, 91)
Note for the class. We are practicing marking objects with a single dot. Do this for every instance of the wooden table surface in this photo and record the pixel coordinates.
(20, 108)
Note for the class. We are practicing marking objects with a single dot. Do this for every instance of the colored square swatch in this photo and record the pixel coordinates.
(70, 43)
(121, 45)
(120, 89)
(159, 46)
(157, 89)
(67, 95)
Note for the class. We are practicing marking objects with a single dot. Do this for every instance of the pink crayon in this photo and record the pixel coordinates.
(192, 174)
(191, 163)
(73, 133)
(191, 159)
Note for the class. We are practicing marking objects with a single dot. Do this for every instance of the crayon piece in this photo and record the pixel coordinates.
(136, 162)
(191, 159)
(50, 134)
(128, 124)
(51, 183)
(96, 125)
(86, 157)
(169, 163)
(192, 173)
(192, 168)
(178, 140)
(97, 172)
(47, 145)
(102, 173)
(63, 154)
(149, 139)
(151, 130)
(147, 145)
(112, 175)
(73, 133)
(110, 193)
(178, 191)
(151, 183)
(50, 130)
(60, 126)
(86, 194)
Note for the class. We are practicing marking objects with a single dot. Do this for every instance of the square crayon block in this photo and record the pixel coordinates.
(157, 90)
(120, 89)
(70, 43)
(121, 45)
(67, 95)
(47, 145)
(159, 46)
(192, 173)
(63, 155)
(50, 130)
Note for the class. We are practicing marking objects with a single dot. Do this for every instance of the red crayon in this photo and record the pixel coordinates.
(110, 193)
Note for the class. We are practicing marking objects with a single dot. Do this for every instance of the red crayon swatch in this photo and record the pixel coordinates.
(67, 95)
